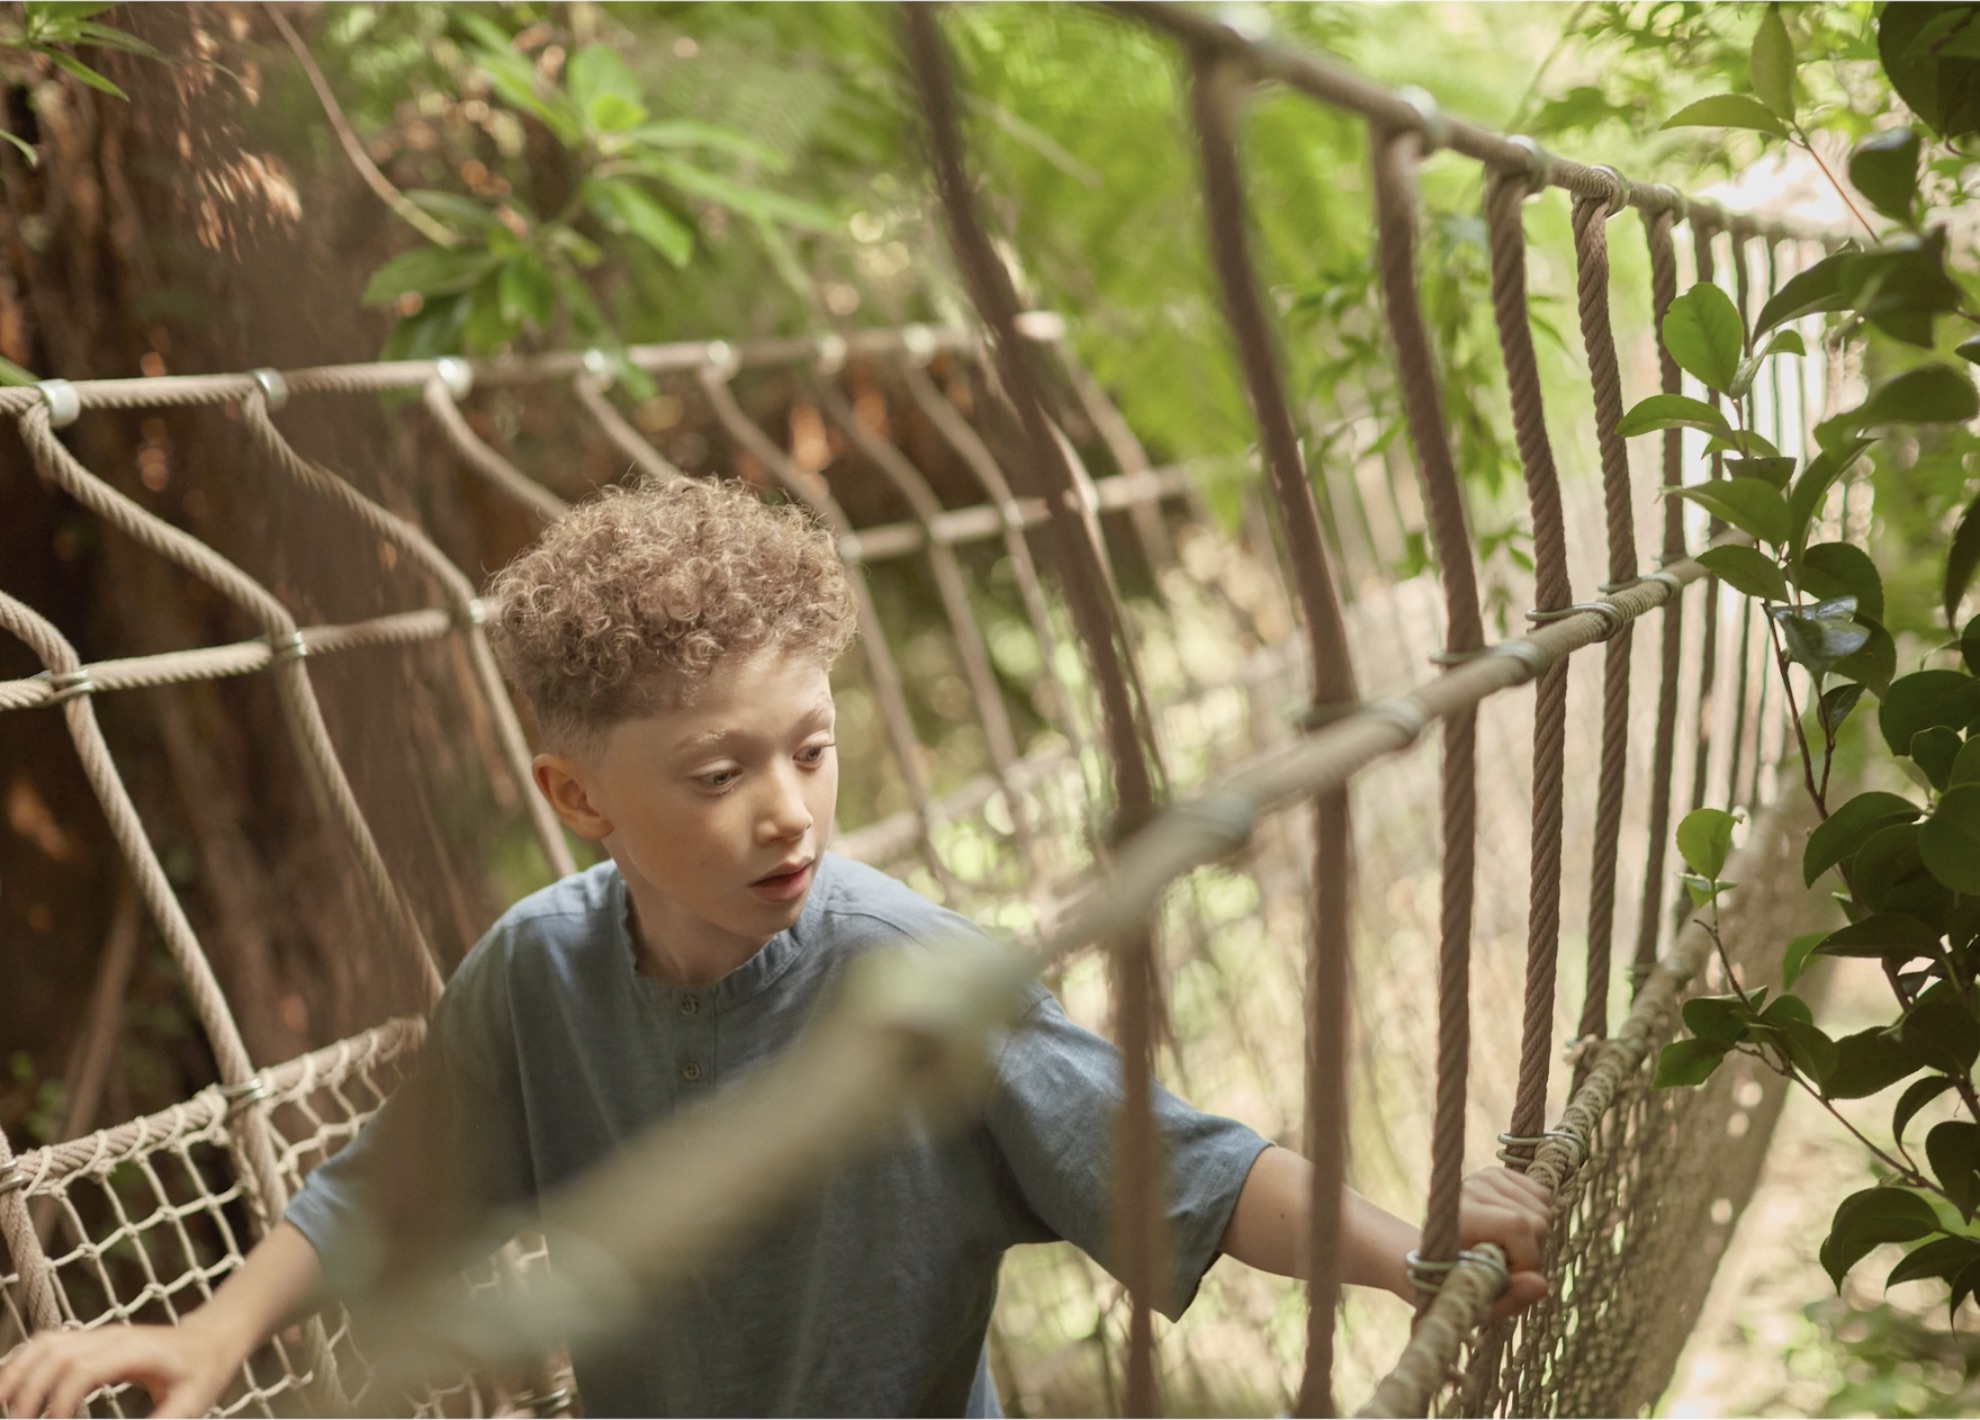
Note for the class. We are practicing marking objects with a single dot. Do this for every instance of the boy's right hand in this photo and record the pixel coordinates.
(183, 1367)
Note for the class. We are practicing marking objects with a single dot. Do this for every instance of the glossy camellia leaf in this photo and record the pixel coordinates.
(1941, 1032)
(1821, 635)
(1704, 334)
(1849, 827)
(1942, 89)
(1944, 1258)
(1775, 469)
(1807, 293)
(1928, 394)
(1925, 698)
(1717, 1018)
(1867, 1219)
(1969, 349)
(1835, 705)
(1785, 342)
(1949, 841)
(1674, 411)
(1806, 496)
(1704, 837)
(1899, 288)
(1747, 570)
(1962, 559)
(1875, 662)
(1969, 646)
(1884, 168)
(1868, 1062)
(1752, 505)
(428, 271)
(1687, 1062)
(1966, 764)
(1953, 1150)
(1795, 958)
(1727, 111)
(1916, 1096)
(1881, 934)
(1772, 67)
(1839, 569)
(1933, 750)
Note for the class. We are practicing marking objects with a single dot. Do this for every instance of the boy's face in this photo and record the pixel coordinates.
(716, 812)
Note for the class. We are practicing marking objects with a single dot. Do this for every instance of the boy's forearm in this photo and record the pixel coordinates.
(278, 1282)
(1269, 1227)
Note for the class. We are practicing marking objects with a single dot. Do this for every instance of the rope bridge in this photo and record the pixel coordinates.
(1261, 683)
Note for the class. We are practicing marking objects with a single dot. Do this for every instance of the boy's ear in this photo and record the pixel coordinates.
(561, 780)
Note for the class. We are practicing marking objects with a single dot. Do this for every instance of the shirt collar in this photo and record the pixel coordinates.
(748, 979)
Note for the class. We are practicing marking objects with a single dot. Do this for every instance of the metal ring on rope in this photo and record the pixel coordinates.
(1530, 658)
(274, 388)
(1677, 204)
(1618, 187)
(550, 1402)
(291, 647)
(721, 360)
(67, 685)
(1230, 815)
(1608, 611)
(1662, 576)
(64, 404)
(831, 356)
(1427, 1276)
(1433, 124)
(918, 341)
(598, 365)
(1406, 715)
(1539, 164)
(11, 1178)
(1570, 1137)
(456, 374)
(244, 1093)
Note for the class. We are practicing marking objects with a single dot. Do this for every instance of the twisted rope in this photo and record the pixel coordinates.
(439, 401)
(1708, 672)
(1506, 239)
(590, 391)
(1592, 295)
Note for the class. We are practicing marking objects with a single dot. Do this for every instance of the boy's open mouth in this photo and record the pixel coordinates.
(784, 884)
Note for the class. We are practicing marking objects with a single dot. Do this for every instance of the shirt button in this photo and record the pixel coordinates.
(690, 1004)
(691, 1071)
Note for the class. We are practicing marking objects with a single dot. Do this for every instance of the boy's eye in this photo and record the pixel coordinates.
(814, 754)
(717, 778)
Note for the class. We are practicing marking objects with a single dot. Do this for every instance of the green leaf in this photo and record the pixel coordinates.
(766, 206)
(1785, 342)
(12, 374)
(1702, 890)
(1806, 497)
(1807, 293)
(1969, 645)
(1674, 411)
(1916, 1096)
(1849, 827)
(1747, 570)
(1811, 1049)
(1943, 1034)
(687, 133)
(1933, 750)
(26, 148)
(69, 64)
(1953, 1149)
(603, 90)
(1943, 1258)
(1752, 505)
(1966, 764)
(1867, 1219)
(525, 292)
(1875, 663)
(1962, 559)
(1835, 705)
(1727, 111)
(105, 37)
(1887, 875)
(1687, 1062)
(453, 209)
(1831, 570)
(1884, 168)
(1772, 66)
(1901, 286)
(1719, 1019)
(1866, 1063)
(1704, 837)
(1969, 349)
(1775, 470)
(1949, 841)
(1939, 89)
(1795, 959)
(1923, 699)
(430, 271)
(624, 207)
(1705, 335)
(1927, 394)
(1881, 934)
(1822, 635)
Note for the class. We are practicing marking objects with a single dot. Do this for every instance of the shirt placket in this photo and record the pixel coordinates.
(694, 1042)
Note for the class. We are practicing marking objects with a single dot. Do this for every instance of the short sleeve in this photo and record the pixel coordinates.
(443, 1159)
(1052, 1112)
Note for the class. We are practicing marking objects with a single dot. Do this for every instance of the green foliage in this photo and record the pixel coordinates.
(46, 33)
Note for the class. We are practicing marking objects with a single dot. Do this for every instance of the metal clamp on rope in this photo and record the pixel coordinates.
(1618, 187)
(1678, 205)
(67, 685)
(1611, 614)
(1665, 578)
(472, 612)
(64, 404)
(919, 343)
(1530, 658)
(1510, 1142)
(832, 351)
(290, 647)
(456, 374)
(598, 365)
(1430, 1277)
(1229, 815)
(549, 1403)
(1406, 715)
(274, 389)
(1432, 122)
(243, 1093)
(721, 361)
(1539, 164)
(11, 1178)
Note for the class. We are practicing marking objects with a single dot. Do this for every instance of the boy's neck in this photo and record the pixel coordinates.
(681, 953)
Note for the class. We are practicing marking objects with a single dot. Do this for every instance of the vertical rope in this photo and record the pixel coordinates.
(37, 1275)
(1742, 721)
(888, 688)
(1708, 672)
(300, 710)
(439, 401)
(1138, 1168)
(1592, 297)
(1395, 156)
(1649, 922)
(1213, 93)
(590, 391)
(1552, 591)
(411, 540)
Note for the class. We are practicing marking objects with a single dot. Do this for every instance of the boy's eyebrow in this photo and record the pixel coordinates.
(818, 712)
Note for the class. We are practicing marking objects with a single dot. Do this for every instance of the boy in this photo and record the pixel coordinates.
(674, 642)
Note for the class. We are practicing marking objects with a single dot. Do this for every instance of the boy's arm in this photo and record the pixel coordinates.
(1269, 1229)
(185, 1367)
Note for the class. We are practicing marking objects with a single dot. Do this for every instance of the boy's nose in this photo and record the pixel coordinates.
(785, 815)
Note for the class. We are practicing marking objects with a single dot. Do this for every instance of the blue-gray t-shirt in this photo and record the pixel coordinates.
(870, 1296)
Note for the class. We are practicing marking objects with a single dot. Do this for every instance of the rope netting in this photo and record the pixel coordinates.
(1058, 639)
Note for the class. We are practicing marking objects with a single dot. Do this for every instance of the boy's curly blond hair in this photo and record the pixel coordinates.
(630, 601)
